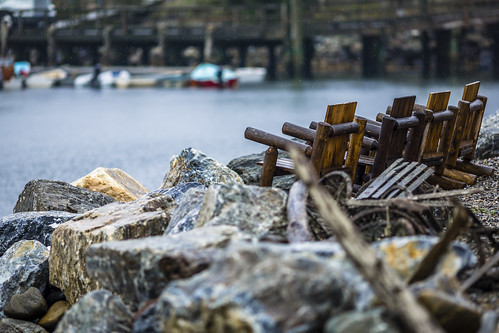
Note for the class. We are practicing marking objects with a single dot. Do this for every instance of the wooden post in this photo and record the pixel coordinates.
(355, 146)
(296, 30)
(320, 145)
(443, 52)
(416, 137)
(372, 56)
(380, 159)
(269, 166)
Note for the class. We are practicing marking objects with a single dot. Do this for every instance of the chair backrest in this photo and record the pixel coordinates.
(437, 102)
(336, 146)
(393, 134)
(469, 116)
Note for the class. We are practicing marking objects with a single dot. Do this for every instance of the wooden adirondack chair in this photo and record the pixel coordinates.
(393, 139)
(469, 114)
(436, 141)
(334, 145)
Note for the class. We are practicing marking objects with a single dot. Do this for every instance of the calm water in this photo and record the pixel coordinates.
(63, 134)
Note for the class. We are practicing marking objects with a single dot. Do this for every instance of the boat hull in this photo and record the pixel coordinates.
(213, 84)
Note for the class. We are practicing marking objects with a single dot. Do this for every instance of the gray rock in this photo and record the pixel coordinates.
(28, 306)
(97, 311)
(258, 211)
(488, 139)
(404, 254)
(146, 216)
(186, 215)
(45, 195)
(30, 225)
(372, 321)
(23, 265)
(137, 270)
(8, 325)
(192, 165)
(247, 167)
(489, 322)
(250, 171)
(178, 191)
(258, 288)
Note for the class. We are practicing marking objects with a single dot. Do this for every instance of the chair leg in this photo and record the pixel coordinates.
(269, 166)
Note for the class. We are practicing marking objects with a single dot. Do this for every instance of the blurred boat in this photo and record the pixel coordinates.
(13, 74)
(210, 75)
(105, 79)
(251, 74)
(46, 79)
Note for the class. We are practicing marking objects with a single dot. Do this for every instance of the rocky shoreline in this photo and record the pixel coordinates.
(209, 252)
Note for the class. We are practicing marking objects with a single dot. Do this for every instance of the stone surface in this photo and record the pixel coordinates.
(488, 139)
(97, 311)
(113, 182)
(405, 253)
(177, 192)
(248, 169)
(258, 211)
(28, 306)
(372, 321)
(23, 265)
(54, 315)
(191, 165)
(30, 225)
(137, 270)
(45, 195)
(8, 325)
(147, 216)
(258, 288)
(186, 215)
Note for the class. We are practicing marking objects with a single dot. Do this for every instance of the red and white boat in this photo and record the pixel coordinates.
(210, 75)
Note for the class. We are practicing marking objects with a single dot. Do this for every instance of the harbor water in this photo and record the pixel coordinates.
(65, 133)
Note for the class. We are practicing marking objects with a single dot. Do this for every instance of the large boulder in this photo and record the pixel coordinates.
(45, 195)
(186, 215)
(191, 165)
(177, 192)
(247, 167)
(147, 216)
(137, 270)
(98, 311)
(30, 225)
(258, 287)
(113, 182)
(258, 211)
(23, 265)
(488, 139)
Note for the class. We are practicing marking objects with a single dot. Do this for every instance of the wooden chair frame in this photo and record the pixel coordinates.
(334, 145)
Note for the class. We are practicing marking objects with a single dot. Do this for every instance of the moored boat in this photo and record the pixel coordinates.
(251, 74)
(46, 79)
(210, 75)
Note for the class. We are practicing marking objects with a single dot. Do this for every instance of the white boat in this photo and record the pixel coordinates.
(251, 74)
(105, 79)
(46, 79)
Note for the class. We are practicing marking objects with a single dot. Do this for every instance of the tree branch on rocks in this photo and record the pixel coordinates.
(389, 288)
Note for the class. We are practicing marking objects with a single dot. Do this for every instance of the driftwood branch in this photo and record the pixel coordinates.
(298, 229)
(480, 272)
(427, 266)
(389, 288)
